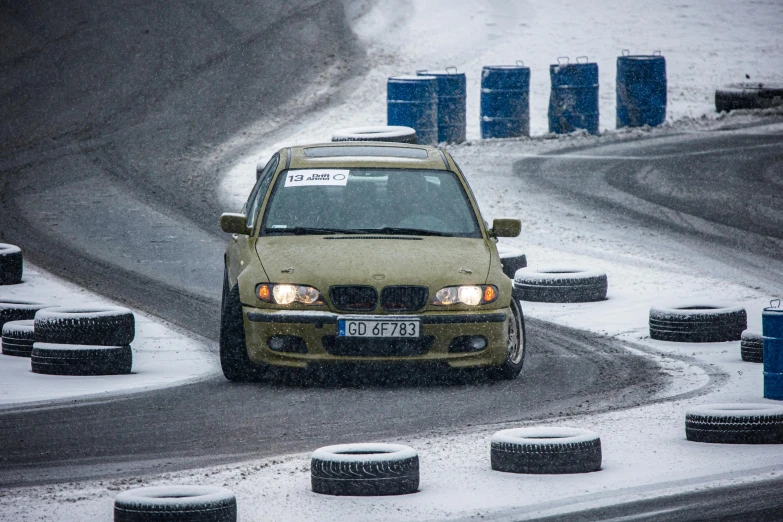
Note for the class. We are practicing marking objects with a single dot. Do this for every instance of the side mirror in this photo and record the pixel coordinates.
(235, 224)
(506, 227)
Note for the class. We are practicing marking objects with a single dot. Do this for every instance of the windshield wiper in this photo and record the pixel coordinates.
(301, 231)
(406, 231)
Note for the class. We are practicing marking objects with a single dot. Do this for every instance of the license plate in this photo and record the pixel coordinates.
(389, 328)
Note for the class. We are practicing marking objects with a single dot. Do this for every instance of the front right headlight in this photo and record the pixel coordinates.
(284, 294)
(471, 295)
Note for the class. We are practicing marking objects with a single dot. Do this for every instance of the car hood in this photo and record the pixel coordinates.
(379, 261)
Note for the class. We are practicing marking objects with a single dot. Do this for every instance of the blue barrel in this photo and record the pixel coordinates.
(452, 107)
(772, 336)
(641, 90)
(505, 101)
(573, 102)
(412, 101)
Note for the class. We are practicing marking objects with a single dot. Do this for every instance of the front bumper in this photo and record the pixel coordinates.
(318, 330)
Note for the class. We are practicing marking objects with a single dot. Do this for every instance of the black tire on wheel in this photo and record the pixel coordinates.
(512, 260)
(697, 322)
(752, 346)
(515, 357)
(391, 133)
(234, 360)
(735, 423)
(18, 310)
(546, 451)
(11, 264)
(95, 325)
(176, 503)
(78, 359)
(748, 96)
(17, 338)
(365, 470)
(560, 285)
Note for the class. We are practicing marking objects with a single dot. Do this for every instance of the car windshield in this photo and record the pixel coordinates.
(382, 201)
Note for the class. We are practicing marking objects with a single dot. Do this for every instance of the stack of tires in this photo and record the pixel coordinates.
(90, 340)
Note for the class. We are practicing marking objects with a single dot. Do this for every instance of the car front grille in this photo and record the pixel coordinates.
(374, 347)
(354, 298)
(404, 298)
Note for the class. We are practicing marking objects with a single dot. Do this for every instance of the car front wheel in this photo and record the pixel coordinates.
(515, 347)
(234, 360)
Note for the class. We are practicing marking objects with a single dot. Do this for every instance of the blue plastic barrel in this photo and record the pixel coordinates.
(412, 101)
(772, 336)
(505, 101)
(641, 90)
(452, 94)
(573, 102)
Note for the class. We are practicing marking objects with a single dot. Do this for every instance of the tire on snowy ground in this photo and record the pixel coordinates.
(17, 338)
(365, 470)
(512, 260)
(19, 310)
(176, 503)
(697, 322)
(391, 133)
(748, 96)
(95, 325)
(752, 346)
(546, 450)
(735, 423)
(79, 359)
(560, 285)
(11, 264)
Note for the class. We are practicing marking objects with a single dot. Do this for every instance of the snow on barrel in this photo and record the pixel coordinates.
(412, 101)
(505, 101)
(641, 90)
(452, 93)
(573, 102)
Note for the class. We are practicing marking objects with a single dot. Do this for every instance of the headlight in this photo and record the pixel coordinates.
(471, 295)
(286, 294)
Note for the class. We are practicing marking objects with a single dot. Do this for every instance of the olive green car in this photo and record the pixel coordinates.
(366, 252)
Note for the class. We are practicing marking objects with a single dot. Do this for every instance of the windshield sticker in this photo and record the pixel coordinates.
(310, 177)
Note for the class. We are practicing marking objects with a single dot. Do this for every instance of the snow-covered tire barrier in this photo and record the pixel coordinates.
(560, 285)
(175, 504)
(365, 470)
(546, 451)
(391, 133)
(17, 338)
(697, 322)
(748, 96)
(735, 423)
(512, 260)
(11, 264)
(94, 325)
(19, 310)
(752, 346)
(79, 359)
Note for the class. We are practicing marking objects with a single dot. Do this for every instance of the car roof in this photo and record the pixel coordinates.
(365, 154)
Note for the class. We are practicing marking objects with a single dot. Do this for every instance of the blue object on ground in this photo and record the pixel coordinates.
(641, 90)
(573, 102)
(505, 101)
(452, 108)
(772, 337)
(412, 101)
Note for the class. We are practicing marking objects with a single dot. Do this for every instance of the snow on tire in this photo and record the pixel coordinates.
(176, 503)
(752, 346)
(512, 260)
(748, 96)
(94, 325)
(18, 310)
(78, 359)
(365, 470)
(391, 133)
(560, 285)
(697, 322)
(735, 423)
(17, 338)
(546, 451)
(11, 264)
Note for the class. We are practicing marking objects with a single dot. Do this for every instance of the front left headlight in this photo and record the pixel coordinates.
(471, 295)
(284, 294)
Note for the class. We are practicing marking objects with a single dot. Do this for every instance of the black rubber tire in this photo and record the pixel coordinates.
(365, 470)
(11, 264)
(697, 323)
(234, 361)
(561, 285)
(510, 369)
(546, 451)
(752, 346)
(78, 359)
(390, 133)
(512, 260)
(176, 503)
(93, 325)
(748, 96)
(17, 338)
(735, 423)
(19, 310)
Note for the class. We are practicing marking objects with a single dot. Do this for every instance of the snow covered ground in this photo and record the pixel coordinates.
(163, 355)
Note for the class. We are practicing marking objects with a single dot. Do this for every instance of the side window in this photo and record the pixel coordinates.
(256, 198)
